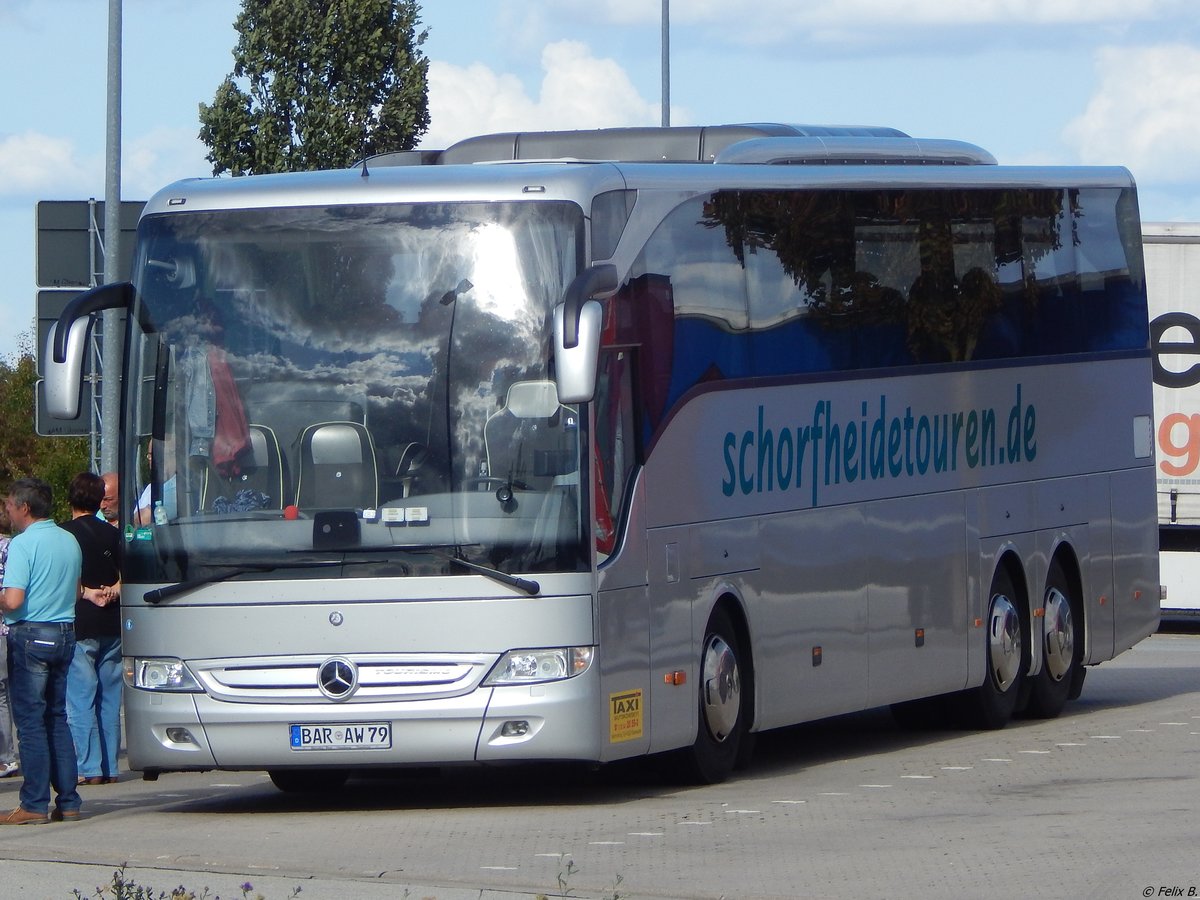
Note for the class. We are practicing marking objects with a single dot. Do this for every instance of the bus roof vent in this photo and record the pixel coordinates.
(842, 150)
(677, 144)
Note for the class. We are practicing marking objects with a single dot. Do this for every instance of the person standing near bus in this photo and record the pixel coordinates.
(94, 682)
(8, 745)
(41, 584)
(110, 508)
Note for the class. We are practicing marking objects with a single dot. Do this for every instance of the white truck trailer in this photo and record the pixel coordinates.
(1172, 251)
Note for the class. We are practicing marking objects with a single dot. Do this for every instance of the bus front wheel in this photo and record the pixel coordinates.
(724, 709)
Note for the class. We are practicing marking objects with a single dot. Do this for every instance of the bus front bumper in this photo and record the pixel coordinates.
(558, 720)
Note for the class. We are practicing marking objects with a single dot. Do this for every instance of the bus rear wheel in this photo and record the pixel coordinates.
(724, 710)
(1062, 649)
(991, 705)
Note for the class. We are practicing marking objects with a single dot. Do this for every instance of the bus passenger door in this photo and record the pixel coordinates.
(624, 624)
(624, 637)
(624, 619)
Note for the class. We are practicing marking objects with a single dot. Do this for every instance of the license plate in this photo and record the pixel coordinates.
(344, 736)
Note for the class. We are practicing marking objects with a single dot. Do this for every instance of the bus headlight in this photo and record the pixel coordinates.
(159, 675)
(533, 666)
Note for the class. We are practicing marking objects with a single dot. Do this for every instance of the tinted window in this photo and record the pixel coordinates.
(778, 283)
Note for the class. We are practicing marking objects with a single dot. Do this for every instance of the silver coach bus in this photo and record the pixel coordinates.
(642, 440)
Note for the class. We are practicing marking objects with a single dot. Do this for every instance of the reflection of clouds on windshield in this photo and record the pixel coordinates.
(378, 375)
(427, 312)
(484, 346)
(426, 263)
(369, 279)
(473, 409)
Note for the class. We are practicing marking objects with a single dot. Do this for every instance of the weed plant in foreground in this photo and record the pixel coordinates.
(124, 888)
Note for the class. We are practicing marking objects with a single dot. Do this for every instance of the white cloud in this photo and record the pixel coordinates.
(975, 23)
(1143, 113)
(38, 164)
(44, 167)
(153, 160)
(857, 14)
(578, 90)
(869, 23)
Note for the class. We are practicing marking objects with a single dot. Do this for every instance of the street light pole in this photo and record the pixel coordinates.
(110, 385)
(666, 63)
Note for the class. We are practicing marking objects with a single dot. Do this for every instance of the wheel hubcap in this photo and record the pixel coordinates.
(1004, 644)
(1060, 635)
(722, 687)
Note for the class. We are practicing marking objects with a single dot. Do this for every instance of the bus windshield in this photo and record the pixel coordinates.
(365, 385)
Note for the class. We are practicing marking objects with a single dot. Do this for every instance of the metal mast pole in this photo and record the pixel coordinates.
(666, 63)
(111, 349)
(95, 349)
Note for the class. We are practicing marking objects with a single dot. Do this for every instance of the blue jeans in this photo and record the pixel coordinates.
(94, 705)
(39, 657)
(8, 742)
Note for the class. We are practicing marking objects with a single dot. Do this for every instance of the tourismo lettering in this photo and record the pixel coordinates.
(874, 446)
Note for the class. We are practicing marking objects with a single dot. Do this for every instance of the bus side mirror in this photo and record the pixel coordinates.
(67, 344)
(64, 379)
(577, 324)
(575, 367)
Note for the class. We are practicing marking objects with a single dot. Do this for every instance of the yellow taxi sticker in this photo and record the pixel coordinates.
(624, 716)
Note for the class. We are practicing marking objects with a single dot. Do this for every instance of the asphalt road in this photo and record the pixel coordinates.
(1103, 802)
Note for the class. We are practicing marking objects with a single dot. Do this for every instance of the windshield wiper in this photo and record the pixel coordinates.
(532, 588)
(157, 595)
(174, 590)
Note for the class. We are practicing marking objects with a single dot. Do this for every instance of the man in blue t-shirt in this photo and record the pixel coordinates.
(41, 585)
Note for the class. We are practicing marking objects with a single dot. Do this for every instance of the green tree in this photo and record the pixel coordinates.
(22, 452)
(318, 84)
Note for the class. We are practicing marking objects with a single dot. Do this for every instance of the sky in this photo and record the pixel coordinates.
(1037, 82)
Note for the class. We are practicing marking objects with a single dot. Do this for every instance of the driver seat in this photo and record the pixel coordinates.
(337, 467)
(532, 439)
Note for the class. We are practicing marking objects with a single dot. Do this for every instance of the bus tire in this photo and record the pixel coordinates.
(724, 710)
(991, 705)
(308, 781)
(1061, 648)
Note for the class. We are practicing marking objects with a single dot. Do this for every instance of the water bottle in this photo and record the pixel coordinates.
(160, 514)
